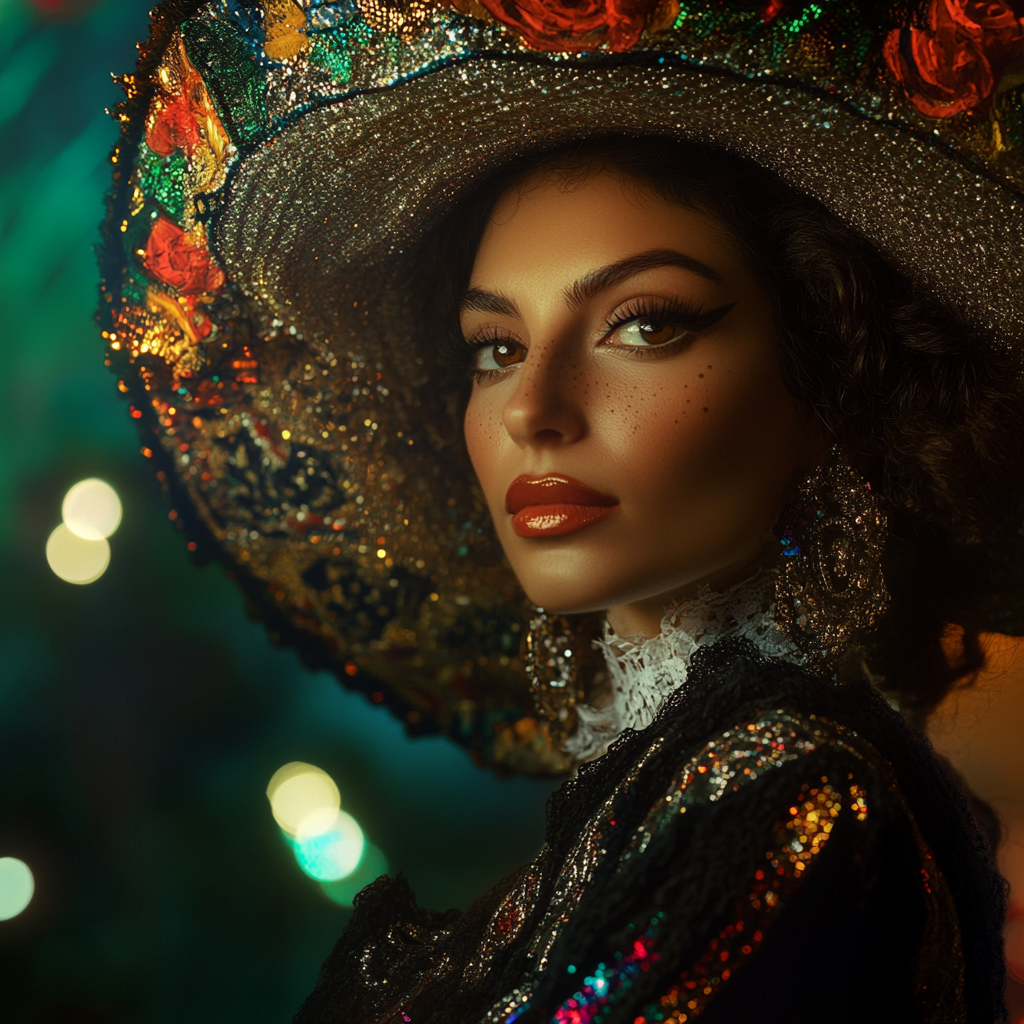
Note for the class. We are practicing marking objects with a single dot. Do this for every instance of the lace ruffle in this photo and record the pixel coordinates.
(643, 672)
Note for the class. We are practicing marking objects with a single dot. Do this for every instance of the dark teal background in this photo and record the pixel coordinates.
(142, 716)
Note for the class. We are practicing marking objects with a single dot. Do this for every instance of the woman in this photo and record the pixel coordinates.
(736, 416)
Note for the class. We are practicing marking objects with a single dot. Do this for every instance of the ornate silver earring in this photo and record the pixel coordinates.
(552, 672)
(829, 585)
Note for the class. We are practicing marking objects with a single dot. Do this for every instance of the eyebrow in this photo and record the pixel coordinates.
(477, 300)
(597, 280)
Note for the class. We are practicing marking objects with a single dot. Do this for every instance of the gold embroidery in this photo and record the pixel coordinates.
(575, 876)
(724, 765)
(285, 27)
(796, 842)
(508, 920)
(738, 756)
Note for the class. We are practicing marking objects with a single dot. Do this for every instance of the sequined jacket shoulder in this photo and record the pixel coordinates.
(770, 844)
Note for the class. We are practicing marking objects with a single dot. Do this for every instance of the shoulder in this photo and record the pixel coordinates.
(747, 719)
(778, 758)
(762, 742)
(790, 810)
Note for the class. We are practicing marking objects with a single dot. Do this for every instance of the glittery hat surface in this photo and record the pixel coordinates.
(278, 169)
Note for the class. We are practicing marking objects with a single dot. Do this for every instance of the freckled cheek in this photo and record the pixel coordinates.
(687, 438)
(651, 431)
(486, 441)
(478, 430)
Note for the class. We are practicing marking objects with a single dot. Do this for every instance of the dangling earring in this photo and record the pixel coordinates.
(829, 584)
(551, 670)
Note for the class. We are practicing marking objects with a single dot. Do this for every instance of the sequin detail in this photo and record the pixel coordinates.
(529, 923)
(796, 842)
(738, 756)
(507, 922)
(575, 875)
(608, 982)
(722, 766)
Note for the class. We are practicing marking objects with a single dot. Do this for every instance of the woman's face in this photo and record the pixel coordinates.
(628, 422)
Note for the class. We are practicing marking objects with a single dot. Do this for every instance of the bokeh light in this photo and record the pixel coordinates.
(75, 559)
(331, 854)
(92, 509)
(16, 887)
(328, 843)
(303, 796)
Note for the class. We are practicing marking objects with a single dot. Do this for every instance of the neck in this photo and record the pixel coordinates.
(642, 672)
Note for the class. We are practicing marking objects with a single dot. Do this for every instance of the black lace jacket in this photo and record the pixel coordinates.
(772, 848)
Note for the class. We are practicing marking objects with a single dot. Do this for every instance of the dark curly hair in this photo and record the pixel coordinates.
(929, 408)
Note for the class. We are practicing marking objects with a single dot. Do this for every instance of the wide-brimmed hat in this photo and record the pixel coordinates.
(281, 164)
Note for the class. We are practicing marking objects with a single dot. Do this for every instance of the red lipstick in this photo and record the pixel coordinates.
(554, 505)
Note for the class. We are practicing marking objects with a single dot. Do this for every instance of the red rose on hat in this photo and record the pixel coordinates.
(574, 25)
(174, 258)
(953, 62)
(174, 127)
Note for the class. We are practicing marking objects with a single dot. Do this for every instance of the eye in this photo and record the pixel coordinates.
(498, 355)
(643, 332)
(652, 324)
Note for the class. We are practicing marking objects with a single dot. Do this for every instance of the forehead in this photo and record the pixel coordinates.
(557, 226)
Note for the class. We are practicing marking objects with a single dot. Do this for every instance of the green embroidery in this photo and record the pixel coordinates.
(239, 87)
(333, 50)
(162, 179)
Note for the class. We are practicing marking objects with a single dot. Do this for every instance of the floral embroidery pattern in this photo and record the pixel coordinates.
(174, 257)
(953, 63)
(568, 26)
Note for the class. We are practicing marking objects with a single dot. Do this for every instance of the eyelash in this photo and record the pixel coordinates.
(685, 315)
(490, 337)
(691, 318)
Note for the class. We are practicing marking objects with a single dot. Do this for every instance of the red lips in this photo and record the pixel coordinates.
(554, 505)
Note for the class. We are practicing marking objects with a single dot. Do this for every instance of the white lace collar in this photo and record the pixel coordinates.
(643, 672)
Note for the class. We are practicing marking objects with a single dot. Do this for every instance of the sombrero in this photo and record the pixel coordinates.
(279, 169)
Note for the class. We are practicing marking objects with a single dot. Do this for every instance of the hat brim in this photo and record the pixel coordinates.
(320, 211)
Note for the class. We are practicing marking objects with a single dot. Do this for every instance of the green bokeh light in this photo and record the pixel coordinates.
(333, 854)
(16, 887)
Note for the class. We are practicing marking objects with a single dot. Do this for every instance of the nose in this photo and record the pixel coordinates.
(546, 408)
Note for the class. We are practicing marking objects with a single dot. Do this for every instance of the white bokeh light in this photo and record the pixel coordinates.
(16, 887)
(74, 558)
(303, 796)
(92, 509)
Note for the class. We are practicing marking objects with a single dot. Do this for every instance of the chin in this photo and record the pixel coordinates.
(561, 578)
(569, 594)
(562, 603)
(573, 586)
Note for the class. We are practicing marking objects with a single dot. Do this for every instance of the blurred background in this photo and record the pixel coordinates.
(143, 876)
(142, 715)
